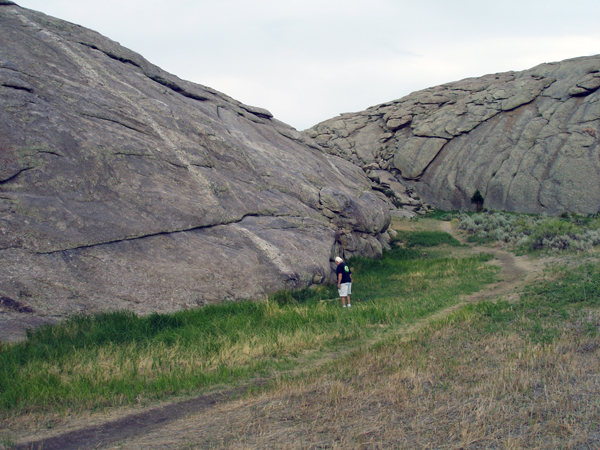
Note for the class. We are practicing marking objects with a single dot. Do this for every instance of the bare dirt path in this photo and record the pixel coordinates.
(97, 436)
(516, 271)
(101, 431)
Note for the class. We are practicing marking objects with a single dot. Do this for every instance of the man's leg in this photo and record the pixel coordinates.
(348, 292)
(343, 291)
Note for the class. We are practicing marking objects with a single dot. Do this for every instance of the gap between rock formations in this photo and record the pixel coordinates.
(100, 432)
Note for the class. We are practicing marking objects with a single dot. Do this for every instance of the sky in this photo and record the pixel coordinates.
(310, 60)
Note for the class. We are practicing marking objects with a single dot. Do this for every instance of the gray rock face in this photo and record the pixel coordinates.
(527, 140)
(122, 186)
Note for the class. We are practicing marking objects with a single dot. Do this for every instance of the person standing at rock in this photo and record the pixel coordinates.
(344, 281)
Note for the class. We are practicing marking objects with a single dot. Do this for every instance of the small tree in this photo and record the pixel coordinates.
(478, 200)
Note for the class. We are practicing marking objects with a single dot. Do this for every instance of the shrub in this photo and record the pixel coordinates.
(478, 200)
(439, 214)
(528, 233)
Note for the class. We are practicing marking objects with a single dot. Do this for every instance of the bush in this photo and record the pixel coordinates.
(439, 214)
(529, 233)
(478, 200)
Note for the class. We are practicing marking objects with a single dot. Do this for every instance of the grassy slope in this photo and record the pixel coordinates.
(520, 375)
(118, 358)
(504, 375)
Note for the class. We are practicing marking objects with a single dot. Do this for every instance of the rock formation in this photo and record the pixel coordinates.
(528, 141)
(125, 187)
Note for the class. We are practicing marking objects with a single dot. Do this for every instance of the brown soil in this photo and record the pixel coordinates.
(97, 436)
(132, 428)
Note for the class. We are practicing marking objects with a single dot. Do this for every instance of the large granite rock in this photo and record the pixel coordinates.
(527, 140)
(122, 186)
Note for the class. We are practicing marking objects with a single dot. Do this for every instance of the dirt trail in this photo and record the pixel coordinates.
(97, 432)
(97, 436)
(516, 271)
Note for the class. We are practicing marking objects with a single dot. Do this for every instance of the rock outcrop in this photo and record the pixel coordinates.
(123, 186)
(528, 141)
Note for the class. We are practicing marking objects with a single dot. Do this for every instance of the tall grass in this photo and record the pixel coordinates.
(539, 316)
(495, 376)
(119, 358)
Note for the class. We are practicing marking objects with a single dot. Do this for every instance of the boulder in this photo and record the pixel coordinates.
(125, 187)
(528, 141)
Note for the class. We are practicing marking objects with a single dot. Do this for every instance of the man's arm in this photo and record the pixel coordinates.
(339, 279)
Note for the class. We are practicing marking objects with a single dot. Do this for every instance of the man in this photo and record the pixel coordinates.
(344, 281)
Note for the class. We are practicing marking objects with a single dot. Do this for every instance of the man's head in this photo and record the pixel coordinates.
(338, 260)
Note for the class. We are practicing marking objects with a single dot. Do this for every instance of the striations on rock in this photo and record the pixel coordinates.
(528, 141)
(122, 186)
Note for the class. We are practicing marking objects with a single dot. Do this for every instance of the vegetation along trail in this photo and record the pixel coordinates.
(211, 420)
(515, 270)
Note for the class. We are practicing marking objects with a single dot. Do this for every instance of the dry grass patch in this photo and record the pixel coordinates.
(118, 358)
(461, 382)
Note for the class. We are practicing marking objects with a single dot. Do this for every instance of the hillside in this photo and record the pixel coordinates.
(517, 370)
(125, 187)
(528, 141)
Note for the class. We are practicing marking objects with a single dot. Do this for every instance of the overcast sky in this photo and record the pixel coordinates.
(309, 60)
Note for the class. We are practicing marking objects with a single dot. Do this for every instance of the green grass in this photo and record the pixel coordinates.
(479, 374)
(119, 358)
(545, 306)
(426, 238)
(569, 285)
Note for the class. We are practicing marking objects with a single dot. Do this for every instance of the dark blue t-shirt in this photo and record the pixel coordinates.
(345, 271)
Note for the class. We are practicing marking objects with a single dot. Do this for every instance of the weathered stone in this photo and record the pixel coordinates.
(334, 199)
(586, 85)
(372, 166)
(366, 143)
(527, 140)
(396, 124)
(122, 186)
(413, 157)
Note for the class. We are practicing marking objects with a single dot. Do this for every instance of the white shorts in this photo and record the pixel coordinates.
(345, 289)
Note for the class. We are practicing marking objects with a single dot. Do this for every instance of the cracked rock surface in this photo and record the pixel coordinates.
(527, 140)
(125, 187)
